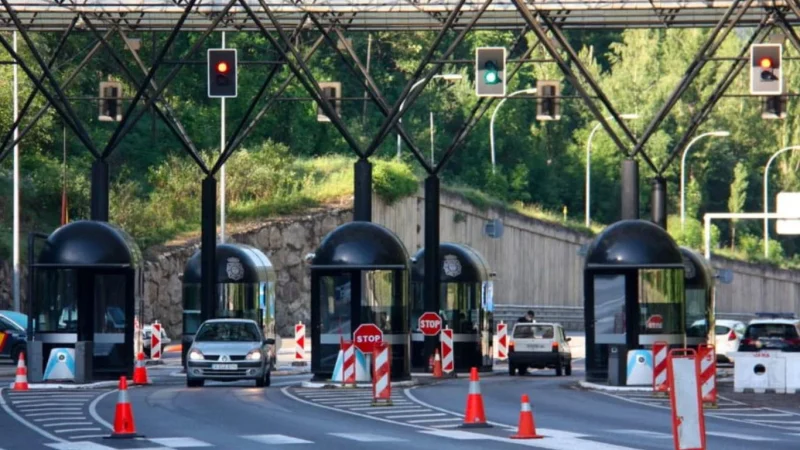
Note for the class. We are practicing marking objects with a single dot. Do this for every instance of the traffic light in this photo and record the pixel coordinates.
(774, 107)
(222, 74)
(110, 101)
(548, 103)
(766, 69)
(332, 91)
(490, 71)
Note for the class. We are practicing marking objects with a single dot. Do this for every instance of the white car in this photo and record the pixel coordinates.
(540, 346)
(728, 334)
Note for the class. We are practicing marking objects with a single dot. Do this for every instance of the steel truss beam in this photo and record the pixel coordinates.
(408, 97)
(89, 56)
(718, 92)
(707, 50)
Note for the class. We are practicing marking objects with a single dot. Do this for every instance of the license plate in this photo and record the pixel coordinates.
(224, 366)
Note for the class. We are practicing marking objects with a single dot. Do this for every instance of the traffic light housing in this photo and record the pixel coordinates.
(332, 91)
(222, 73)
(548, 103)
(766, 77)
(490, 72)
(110, 101)
(774, 107)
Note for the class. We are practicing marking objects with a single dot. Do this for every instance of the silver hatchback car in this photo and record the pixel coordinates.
(229, 350)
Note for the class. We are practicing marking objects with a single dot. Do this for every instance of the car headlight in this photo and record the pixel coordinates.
(254, 355)
(195, 355)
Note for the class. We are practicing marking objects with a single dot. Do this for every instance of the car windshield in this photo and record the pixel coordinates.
(533, 332)
(18, 318)
(228, 332)
(772, 330)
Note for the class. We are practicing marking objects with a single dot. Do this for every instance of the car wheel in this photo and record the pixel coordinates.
(568, 370)
(511, 369)
(522, 370)
(192, 383)
(559, 368)
(264, 381)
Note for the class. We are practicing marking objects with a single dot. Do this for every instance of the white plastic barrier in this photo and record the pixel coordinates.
(640, 368)
(759, 371)
(792, 372)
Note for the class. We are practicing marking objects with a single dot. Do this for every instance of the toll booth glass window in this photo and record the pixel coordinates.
(661, 300)
(696, 320)
(418, 306)
(461, 307)
(239, 301)
(191, 308)
(335, 297)
(380, 304)
(56, 307)
(609, 309)
(110, 295)
(267, 304)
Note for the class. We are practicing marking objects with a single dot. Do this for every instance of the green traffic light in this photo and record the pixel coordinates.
(490, 76)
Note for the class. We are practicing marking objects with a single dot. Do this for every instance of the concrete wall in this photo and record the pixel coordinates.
(537, 263)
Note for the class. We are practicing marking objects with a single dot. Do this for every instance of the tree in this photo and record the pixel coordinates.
(694, 198)
(738, 197)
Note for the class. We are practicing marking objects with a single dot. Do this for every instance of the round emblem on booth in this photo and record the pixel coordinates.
(688, 268)
(235, 269)
(452, 266)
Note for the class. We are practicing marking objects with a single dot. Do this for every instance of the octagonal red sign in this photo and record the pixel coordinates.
(430, 323)
(367, 336)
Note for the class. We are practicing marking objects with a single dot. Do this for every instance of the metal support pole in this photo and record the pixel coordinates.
(658, 202)
(222, 168)
(630, 189)
(683, 171)
(362, 208)
(431, 284)
(15, 233)
(766, 194)
(208, 250)
(99, 190)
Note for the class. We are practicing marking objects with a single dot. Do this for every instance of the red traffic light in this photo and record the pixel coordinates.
(765, 63)
(222, 67)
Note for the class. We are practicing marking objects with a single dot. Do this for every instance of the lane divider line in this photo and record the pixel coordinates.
(93, 409)
(24, 422)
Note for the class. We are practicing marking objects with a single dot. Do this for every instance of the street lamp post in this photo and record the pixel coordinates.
(587, 214)
(766, 195)
(446, 76)
(494, 114)
(683, 168)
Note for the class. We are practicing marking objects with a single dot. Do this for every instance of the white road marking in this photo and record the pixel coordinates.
(93, 409)
(61, 413)
(412, 416)
(60, 424)
(750, 414)
(179, 442)
(449, 425)
(743, 437)
(70, 430)
(435, 420)
(50, 419)
(84, 445)
(457, 434)
(366, 437)
(24, 422)
(276, 439)
(89, 436)
(760, 421)
(393, 411)
(644, 433)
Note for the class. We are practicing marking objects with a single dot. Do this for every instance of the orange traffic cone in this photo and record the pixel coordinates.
(21, 380)
(124, 427)
(527, 427)
(437, 365)
(140, 371)
(475, 416)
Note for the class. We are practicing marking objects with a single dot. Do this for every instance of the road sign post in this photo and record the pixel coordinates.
(366, 337)
(430, 323)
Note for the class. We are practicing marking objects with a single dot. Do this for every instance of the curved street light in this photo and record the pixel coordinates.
(587, 214)
(766, 195)
(445, 76)
(494, 114)
(683, 168)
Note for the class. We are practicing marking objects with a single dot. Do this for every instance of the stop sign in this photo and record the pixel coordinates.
(655, 322)
(430, 323)
(367, 336)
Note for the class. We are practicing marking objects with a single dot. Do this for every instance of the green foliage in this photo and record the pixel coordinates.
(393, 180)
(737, 197)
(691, 235)
(694, 198)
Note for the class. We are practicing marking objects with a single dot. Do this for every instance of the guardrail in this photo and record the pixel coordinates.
(570, 317)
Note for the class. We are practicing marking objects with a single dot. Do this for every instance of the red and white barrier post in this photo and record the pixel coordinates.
(349, 363)
(686, 404)
(155, 341)
(660, 372)
(299, 341)
(446, 337)
(708, 374)
(381, 375)
(502, 341)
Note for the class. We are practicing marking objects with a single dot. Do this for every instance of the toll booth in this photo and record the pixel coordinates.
(86, 289)
(359, 274)
(634, 295)
(245, 281)
(700, 290)
(466, 306)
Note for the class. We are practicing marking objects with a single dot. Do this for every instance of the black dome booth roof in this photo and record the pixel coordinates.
(236, 263)
(90, 243)
(631, 244)
(699, 272)
(471, 267)
(361, 245)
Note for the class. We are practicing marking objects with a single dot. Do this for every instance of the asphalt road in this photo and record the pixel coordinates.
(239, 416)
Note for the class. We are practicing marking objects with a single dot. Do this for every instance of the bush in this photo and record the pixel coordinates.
(393, 180)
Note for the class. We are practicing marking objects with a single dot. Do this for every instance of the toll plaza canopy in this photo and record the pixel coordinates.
(367, 15)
